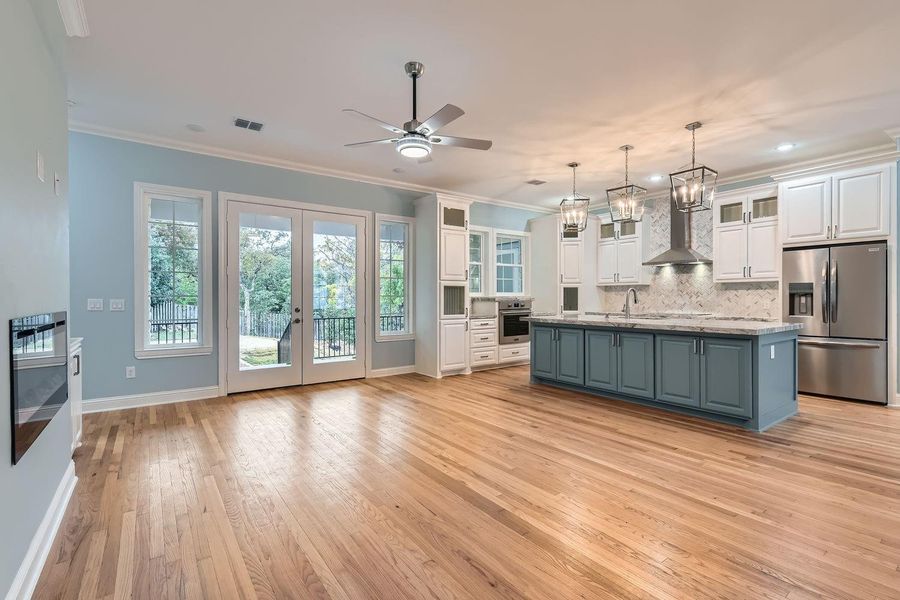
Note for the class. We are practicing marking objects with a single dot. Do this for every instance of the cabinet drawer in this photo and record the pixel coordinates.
(484, 356)
(484, 337)
(514, 353)
(484, 324)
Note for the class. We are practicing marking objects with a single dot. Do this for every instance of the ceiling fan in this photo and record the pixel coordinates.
(415, 138)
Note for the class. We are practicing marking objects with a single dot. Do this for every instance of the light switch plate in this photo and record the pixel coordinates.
(95, 304)
(116, 304)
(129, 373)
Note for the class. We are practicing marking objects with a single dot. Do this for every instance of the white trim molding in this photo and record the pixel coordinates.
(97, 405)
(391, 371)
(74, 17)
(30, 570)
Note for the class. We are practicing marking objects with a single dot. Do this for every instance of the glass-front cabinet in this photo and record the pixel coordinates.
(745, 236)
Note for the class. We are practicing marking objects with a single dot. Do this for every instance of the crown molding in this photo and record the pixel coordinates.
(268, 161)
(74, 17)
(857, 158)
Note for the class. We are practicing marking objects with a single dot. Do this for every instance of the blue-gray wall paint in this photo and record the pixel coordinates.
(103, 172)
(34, 262)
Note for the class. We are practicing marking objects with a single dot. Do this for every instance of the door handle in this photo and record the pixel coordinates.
(750, 271)
(744, 271)
(298, 321)
(834, 291)
(825, 291)
(825, 344)
(296, 309)
(77, 365)
(702, 347)
(694, 346)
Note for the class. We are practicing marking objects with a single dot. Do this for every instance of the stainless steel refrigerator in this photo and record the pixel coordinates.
(839, 295)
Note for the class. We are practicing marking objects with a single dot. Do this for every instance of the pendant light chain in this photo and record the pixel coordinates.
(574, 195)
(626, 165)
(693, 148)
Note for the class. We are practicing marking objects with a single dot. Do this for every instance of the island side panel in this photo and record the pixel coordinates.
(775, 389)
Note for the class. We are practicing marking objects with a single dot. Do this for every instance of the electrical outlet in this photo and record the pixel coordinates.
(95, 304)
(129, 372)
(116, 304)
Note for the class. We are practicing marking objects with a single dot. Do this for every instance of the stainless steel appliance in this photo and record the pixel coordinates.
(839, 295)
(514, 329)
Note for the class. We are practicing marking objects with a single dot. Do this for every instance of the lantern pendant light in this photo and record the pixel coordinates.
(693, 189)
(574, 209)
(626, 202)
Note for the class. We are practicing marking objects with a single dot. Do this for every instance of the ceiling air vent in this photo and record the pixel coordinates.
(535, 182)
(248, 124)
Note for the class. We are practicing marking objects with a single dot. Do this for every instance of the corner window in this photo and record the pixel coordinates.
(509, 251)
(173, 271)
(394, 278)
(478, 247)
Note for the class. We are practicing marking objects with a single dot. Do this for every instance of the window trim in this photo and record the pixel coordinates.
(526, 261)
(487, 253)
(143, 192)
(409, 271)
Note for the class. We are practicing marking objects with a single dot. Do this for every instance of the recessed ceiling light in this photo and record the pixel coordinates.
(655, 178)
(195, 127)
(785, 147)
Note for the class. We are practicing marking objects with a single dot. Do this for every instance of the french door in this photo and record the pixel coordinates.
(295, 296)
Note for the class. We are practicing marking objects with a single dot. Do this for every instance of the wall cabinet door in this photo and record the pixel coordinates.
(454, 345)
(454, 215)
(636, 375)
(601, 360)
(763, 251)
(861, 204)
(571, 260)
(570, 356)
(730, 253)
(725, 376)
(806, 210)
(628, 261)
(678, 370)
(454, 255)
(607, 262)
(543, 352)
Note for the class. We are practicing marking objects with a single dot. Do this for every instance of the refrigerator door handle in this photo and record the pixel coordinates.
(825, 289)
(805, 342)
(834, 291)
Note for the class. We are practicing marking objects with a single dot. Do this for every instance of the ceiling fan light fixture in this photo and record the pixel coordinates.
(414, 146)
(693, 189)
(626, 202)
(573, 209)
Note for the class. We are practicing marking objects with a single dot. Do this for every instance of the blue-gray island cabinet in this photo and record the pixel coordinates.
(740, 372)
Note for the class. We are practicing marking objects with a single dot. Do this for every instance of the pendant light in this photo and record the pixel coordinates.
(693, 189)
(626, 202)
(574, 208)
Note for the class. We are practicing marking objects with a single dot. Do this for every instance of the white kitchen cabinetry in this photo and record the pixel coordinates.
(454, 255)
(571, 261)
(562, 271)
(745, 236)
(454, 345)
(75, 395)
(621, 249)
(845, 205)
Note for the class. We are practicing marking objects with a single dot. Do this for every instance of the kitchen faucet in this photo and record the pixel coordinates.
(627, 308)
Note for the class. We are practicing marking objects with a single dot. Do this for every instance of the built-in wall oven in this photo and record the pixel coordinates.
(514, 329)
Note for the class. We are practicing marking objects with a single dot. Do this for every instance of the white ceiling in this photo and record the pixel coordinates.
(548, 82)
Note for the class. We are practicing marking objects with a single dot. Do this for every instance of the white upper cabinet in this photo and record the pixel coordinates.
(607, 262)
(620, 254)
(745, 236)
(454, 255)
(628, 261)
(571, 262)
(861, 202)
(846, 205)
(453, 214)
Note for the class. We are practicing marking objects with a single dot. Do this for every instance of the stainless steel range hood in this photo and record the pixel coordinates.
(680, 251)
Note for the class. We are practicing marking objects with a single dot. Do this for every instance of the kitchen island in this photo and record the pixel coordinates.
(737, 371)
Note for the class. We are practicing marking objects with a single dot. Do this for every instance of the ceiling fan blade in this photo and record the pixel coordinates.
(384, 141)
(440, 118)
(379, 122)
(461, 142)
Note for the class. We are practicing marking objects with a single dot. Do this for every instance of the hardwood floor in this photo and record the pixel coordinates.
(477, 487)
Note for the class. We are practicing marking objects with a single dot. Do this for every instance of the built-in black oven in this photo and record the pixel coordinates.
(514, 329)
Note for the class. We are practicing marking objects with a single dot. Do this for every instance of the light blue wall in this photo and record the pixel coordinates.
(34, 263)
(103, 174)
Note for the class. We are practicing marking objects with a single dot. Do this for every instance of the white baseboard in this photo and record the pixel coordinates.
(137, 400)
(33, 563)
(392, 371)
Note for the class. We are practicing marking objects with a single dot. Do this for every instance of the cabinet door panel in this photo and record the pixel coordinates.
(601, 362)
(730, 254)
(454, 345)
(570, 262)
(454, 255)
(862, 204)
(606, 262)
(628, 260)
(636, 374)
(570, 356)
(678, 370)
(763, 251)
(725, 376)
(806, 210)
(543, 352)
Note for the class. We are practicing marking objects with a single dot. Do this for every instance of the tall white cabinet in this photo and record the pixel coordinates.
(562, 267)
(746, 244)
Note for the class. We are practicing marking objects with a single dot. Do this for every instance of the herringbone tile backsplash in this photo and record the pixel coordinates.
(690, 288)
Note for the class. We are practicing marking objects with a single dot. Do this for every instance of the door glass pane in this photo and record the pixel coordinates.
(454, 217)
(627, 228)
(731, 213)
(334, 291)
(454, 300)
(570, 299)
(765, 207)
(264, 302)
(607, 231)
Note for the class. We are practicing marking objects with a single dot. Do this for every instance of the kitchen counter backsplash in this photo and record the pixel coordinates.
(690, 288)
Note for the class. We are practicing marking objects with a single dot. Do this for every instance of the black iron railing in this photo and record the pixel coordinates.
(334, 337)
(393, 322)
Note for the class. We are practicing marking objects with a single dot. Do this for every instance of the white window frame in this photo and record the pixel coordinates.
(487, 253)
(410, 333)
(525, 236)
(143, 192)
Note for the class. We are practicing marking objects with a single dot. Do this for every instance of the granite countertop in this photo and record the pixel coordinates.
(678, 323)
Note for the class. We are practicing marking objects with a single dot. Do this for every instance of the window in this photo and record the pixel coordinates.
(478, 247)
(394, 281)
(173, 271)
(509, 251)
